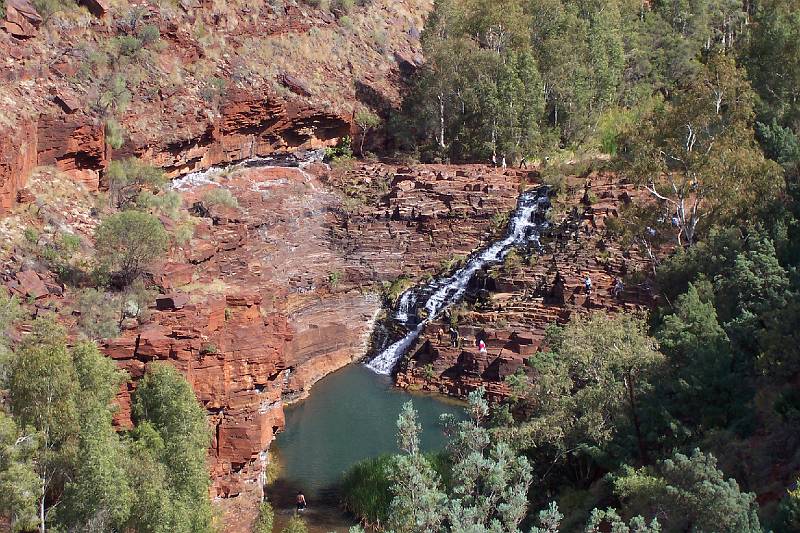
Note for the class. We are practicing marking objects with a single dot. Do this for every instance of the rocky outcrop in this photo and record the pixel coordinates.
(511, 306)
(250, 125)
(233, 356)
(74, 144)
(413, 221)
(18, 156)
(22, 20)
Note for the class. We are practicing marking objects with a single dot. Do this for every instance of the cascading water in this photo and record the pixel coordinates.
(523, 228)
(405, 305)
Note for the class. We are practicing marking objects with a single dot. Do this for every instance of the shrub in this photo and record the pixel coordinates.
(214, 90)
(99, 314)
(393, 290)
(207, 349)
(127, 45)
(266, 517)
(343, 7)
(149, 35)
(342, 150)
(615, 227)
(115, 134)
(31, 235)
(334, 278)
(366, 489)
(128, 242)
(295, 525)
(129, 177)
(512, 262)
(220, 196)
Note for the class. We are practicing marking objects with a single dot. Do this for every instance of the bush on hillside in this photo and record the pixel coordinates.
(128, 242)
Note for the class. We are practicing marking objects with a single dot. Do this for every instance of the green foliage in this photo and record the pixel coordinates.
(341, 152)
(334, 278)
(588, 393)
(779, 143)
(99, 314)
(48, 8)
(417, 498)
(700, 146)
(31, 235)
(789, 513)
(702, 391)
(115, 134)
(295, 525)
(392, 291)
(176, 434)
(601, 520)
(128, 178)
(266, 517)
(70, 458)
(774, 60)
(19, 481)
(366, 489)
(128, 242)
(99, 495)
(214, 90)
(221, 197)
(447, 266)
(149, 35)
(689, 493)
(512, 263)
(10, 312)
(366, 120)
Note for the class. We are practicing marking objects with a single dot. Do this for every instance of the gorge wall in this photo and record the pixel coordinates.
(268, 297)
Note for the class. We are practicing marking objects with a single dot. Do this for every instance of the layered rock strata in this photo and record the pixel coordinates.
(510, 307)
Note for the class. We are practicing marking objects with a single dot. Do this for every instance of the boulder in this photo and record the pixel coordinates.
(31, 285)
(171, 302)
(22, 19)
(294, 84)
(98, 8)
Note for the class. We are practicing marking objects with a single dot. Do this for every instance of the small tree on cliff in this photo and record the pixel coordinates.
(128, 178)
(366, 120)
(165, 402)
(128, 242)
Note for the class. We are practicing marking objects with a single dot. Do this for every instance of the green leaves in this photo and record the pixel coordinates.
(174, 432)
(126, 243)
(689, 493)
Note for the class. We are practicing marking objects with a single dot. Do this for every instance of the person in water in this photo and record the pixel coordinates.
(300, 501)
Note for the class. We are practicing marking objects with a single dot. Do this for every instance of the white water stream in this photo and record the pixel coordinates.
(523, 228)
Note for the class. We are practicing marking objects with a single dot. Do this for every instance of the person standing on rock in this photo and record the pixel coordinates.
(587, 285)
(453, 337)
(481, 346)
(300, 501)
(617, 289)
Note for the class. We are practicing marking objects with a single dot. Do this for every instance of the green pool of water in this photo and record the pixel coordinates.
(349, 416)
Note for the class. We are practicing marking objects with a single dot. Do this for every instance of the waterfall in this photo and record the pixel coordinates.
(404, 307)
(523, 228)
